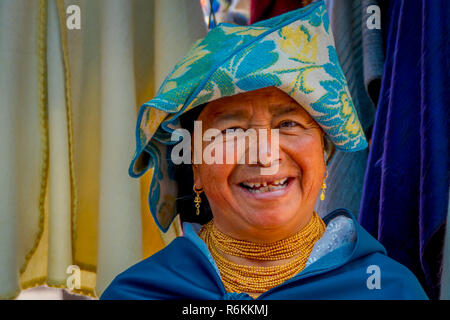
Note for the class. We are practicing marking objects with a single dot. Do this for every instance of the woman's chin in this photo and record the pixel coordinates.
(270, 220)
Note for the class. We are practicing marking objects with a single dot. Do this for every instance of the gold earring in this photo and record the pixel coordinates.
(324, 186)
(197, 199)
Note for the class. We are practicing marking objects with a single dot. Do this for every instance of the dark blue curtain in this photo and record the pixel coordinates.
(405, 194)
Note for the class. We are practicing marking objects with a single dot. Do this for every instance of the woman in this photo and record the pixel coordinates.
(280, 79)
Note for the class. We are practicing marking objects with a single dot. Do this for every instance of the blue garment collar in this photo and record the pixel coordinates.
(327, 253)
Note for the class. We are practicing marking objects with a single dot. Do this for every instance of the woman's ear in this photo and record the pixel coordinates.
(197, 180)
(329, 149)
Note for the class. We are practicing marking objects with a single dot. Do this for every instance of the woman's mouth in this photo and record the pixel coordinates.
(266, 186)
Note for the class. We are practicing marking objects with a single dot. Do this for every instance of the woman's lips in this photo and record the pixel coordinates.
(260, 187)
(267, 190)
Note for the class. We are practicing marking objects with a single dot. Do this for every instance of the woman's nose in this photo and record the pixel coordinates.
(268, 150)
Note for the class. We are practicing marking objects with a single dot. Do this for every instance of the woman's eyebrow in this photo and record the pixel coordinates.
(230, 115)
(284, 108)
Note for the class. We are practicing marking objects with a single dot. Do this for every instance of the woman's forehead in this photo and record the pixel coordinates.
(270, 101)
(264, 94)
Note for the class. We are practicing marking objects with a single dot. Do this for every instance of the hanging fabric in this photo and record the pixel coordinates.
(69, 107)
(405, 196)
(265, 9)
(445, 277)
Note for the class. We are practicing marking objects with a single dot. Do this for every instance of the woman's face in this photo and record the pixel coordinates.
(265, 213)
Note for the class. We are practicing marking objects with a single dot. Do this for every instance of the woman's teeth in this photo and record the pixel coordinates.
(259, 187)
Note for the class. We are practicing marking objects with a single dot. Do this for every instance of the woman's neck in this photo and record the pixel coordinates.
(261, 235)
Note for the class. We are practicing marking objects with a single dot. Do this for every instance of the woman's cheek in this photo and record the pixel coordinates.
(307, 153)
(215, 179)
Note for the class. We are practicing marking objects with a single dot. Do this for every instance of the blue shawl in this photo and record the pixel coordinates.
(185, 270)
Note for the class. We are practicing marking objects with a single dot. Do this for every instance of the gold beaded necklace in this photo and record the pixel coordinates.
(256, 279)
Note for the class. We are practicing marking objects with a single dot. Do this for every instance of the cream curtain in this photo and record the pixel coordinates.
(68, 107)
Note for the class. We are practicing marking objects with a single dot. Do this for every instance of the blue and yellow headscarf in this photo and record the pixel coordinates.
(294, 52)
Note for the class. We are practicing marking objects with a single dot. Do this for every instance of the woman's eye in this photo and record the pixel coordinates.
(288, 124)
(231, 129)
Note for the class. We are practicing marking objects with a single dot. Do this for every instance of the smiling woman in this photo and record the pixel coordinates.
(256, 233)
(246, 204)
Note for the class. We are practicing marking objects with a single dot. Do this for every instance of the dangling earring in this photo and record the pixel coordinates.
(197, 199)
(324, 186)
